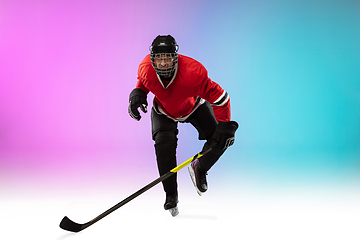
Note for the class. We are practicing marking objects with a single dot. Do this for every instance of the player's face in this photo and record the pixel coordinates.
(164, 60)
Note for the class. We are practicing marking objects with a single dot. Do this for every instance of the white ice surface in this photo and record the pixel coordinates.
(218, 214)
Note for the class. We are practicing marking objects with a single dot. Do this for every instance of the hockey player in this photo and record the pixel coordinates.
(183, 92)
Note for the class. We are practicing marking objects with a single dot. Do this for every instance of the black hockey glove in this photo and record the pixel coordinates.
(137, 99)
(224, 134)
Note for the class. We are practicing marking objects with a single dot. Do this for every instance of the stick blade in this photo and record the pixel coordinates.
(67, 224)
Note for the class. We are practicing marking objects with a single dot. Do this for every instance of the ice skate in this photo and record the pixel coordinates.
(171, 204)
(174, 211)
(198, 177)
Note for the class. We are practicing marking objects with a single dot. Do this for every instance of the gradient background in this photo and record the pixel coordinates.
(292, 69)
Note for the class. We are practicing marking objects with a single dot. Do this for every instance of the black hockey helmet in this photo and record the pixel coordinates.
(164, 55)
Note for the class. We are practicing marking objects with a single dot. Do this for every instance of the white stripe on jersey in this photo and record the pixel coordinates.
(222, 100)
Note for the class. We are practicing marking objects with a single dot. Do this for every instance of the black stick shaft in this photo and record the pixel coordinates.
(132, 196)
(69, 225)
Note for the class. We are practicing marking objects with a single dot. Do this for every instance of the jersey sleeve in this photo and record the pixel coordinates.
(142, 74)
(140, 85)
(218, 97)
(223, 113)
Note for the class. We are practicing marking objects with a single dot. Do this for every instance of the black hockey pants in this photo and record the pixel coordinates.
(164, 133)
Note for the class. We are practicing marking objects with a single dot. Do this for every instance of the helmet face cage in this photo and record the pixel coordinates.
(164, 55)
(164, 63)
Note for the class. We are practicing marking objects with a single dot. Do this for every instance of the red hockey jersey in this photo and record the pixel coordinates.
(186, 90)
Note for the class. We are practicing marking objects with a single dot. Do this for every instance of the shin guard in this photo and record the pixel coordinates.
(166, 160)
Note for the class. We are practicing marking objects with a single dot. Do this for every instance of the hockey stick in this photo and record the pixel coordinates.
(69, 225)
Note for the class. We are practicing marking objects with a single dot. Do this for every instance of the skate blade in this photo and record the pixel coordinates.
(174, 211)
(192, 176)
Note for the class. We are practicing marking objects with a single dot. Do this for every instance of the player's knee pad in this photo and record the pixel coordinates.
(165, 149)
(165, 137)
(162, 127)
